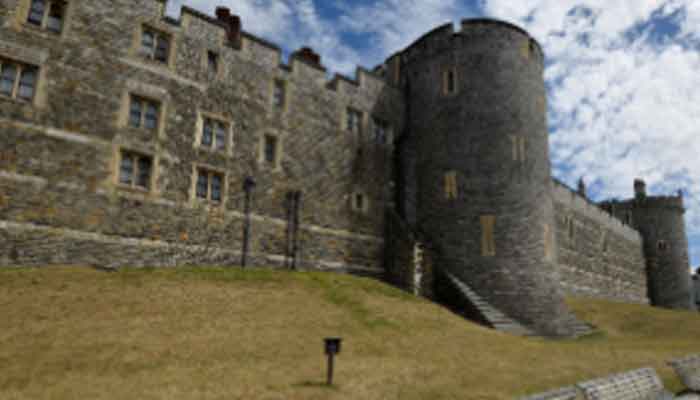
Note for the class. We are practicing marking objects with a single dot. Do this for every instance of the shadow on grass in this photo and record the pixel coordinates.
(356, 308)
(595, 336)
(315, 384)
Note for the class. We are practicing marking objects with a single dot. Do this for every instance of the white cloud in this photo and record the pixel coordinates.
(394, 24)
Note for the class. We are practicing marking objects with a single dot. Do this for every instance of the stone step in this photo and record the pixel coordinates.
(495, 318)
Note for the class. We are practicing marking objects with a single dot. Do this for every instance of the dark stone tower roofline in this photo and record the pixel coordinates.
(448, 28)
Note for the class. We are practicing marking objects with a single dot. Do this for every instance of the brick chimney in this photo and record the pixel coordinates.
(307, 54)
(232, 24)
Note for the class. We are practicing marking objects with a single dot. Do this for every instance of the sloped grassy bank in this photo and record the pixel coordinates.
(209, 333)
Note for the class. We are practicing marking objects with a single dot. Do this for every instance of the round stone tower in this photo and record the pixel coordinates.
(660, 221)
(476, 105)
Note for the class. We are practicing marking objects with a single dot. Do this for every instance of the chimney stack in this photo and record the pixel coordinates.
(307, 54)
(232, 24)
(223, 13)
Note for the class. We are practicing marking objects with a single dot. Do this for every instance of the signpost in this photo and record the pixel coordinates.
(332, 348)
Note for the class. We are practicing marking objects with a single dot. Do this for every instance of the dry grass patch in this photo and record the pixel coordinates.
(73, 333)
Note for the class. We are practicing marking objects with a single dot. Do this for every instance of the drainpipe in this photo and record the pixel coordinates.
(288, 239)
(295, 238)
(248, 186)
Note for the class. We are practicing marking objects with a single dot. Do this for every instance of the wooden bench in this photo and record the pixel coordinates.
(640, 384)
(688, 370)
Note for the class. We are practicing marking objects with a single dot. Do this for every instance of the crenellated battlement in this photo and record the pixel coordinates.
(574, 201)
(674, 202)
(445, 37)
(649, 202)
(304, 63)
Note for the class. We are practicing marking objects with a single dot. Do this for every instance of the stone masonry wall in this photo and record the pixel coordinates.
(477, 113)
(660, 220)
(60, 199)
(598, 255)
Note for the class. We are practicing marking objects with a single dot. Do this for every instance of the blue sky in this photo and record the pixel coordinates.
(623, 76)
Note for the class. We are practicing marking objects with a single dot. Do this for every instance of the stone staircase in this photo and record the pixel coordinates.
(501, 322)
(495, 318)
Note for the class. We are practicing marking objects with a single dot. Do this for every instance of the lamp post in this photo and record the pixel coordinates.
(248, 186)
(332, 348)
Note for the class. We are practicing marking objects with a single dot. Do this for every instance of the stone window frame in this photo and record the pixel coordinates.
(446, 74)
(220, 65)
(378, 122)
(148, 92)
(145, 103)
(50, 6)
(262, 160)
(210, 169)
(285, 86)
(526, 49)
(364, 207)
(662, 246)
(548, 242)
(118, 153)
(451, 185)
(35, 58)
(199, 130)
(136, 45)
(360, 125)
(519, 147)
(20, 68)
(488, 239)
(22, 18)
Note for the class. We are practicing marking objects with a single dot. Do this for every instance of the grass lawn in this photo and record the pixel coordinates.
(77, 333)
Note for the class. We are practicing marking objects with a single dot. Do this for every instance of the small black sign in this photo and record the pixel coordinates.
(333, 345)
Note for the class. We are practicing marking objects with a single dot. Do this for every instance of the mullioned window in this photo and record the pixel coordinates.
(18, 80)
(155, 45)
(47, 14)
(209, 185)
(144, 113)
(135, 170)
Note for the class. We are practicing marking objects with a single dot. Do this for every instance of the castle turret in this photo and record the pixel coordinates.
(640, 189)
(478, 120)
(660, 221)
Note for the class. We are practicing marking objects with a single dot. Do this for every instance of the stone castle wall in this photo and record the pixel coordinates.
(481, 161)
(61, 200)
(660, 221)
(598, 255)
(59, 157)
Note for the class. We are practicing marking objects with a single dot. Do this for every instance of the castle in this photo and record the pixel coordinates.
(131, 138)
